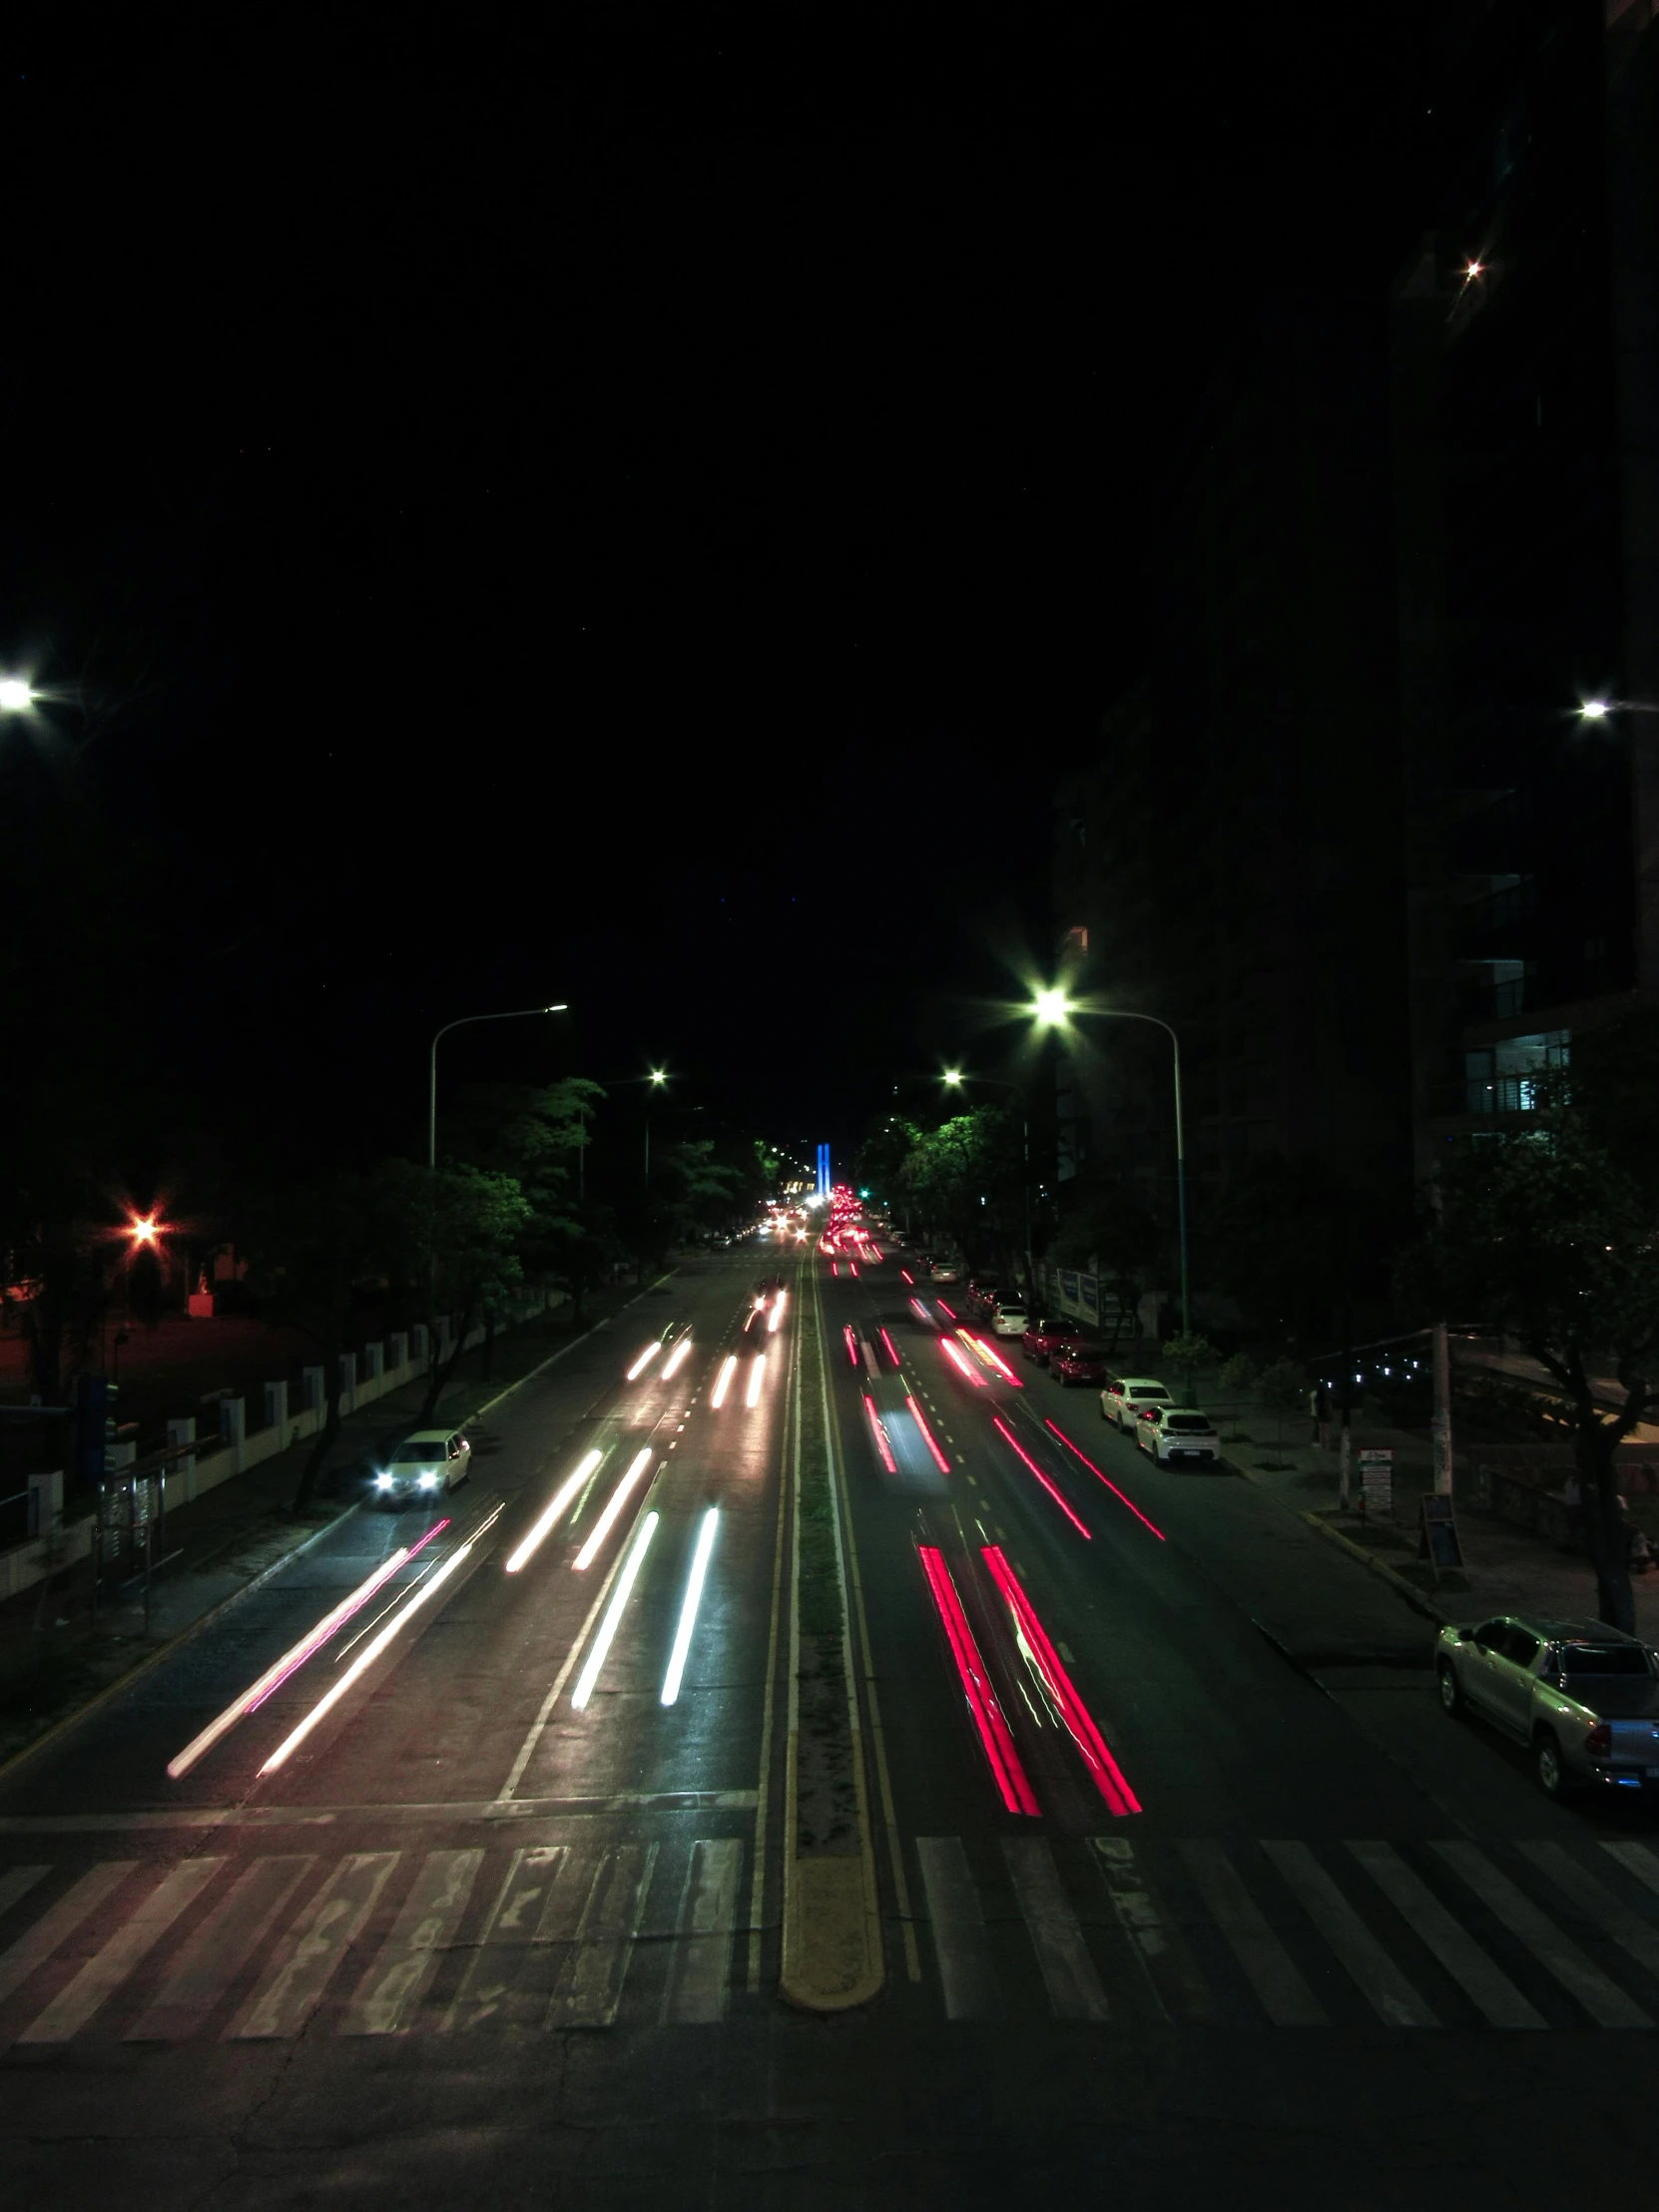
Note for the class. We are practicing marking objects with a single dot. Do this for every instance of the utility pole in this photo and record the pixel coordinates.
(1441, 1427)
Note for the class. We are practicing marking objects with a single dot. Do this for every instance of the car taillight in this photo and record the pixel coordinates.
(1600, 1742)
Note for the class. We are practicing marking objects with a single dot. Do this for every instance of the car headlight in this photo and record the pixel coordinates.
(382, 1482)
(428, 1481)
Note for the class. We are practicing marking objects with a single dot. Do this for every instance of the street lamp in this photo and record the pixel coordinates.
(1597, 709)
(518, 1013)
(1053, 1011)
(17, 694)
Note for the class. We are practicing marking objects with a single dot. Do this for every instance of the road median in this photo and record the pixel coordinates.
(832, 1950)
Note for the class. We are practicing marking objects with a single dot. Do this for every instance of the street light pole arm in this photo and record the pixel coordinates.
(1123, 1013)
(515, 1013)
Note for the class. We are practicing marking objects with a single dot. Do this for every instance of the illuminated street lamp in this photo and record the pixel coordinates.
(1597, 709)
(1052, 1009)
(17, 694)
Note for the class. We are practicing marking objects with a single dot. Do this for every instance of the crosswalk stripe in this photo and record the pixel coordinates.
(1636, 1858)
(1068, 1972)
(971, 1989)
(1604, 2000)
(227, 1937)
(702, 1960)
(492, 1987)
(103, 1973)
(17, 1882)
(385, 1999)
(1272, 1973)
(605, 1936)
(1634, 1935)
(1178, 1988)
(1488, 1989)
(305, 1959)
(1390, 1996)
(36, 1944)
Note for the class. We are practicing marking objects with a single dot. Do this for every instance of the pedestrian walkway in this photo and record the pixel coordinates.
(1233, 1935)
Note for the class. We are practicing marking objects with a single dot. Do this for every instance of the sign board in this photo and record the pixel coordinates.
(1438, 1540)
(1068, 1286)
(1091, 1292)
(1377, 1484)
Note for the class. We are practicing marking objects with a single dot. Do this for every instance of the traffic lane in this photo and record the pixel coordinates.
(451, 1700)
(1208, 1720)
(625, 1736)
(1359, 1642)
(117, 1754)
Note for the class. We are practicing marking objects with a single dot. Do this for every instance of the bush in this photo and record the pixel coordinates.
(1238, 1377)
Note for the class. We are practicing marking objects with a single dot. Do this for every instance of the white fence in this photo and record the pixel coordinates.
(235, 1447)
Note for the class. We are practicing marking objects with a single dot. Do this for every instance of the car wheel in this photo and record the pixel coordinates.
(1548, 1767)
(1451, 1691)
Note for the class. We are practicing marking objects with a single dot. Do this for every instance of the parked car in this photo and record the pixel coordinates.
(430, 1463)
(1074, 1361)
(1177, 1435)
(946, 1271)
(982, 1292)
(1045, 1336)
(1010, 1320)
(1581, 1696)
(1124, 1397)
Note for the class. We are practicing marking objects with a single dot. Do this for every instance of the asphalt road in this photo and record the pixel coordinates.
(1209, 1902)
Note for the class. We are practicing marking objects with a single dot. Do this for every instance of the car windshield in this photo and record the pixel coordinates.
(1603, 1659)
(421, 1447)
(1188, 1424)
(1141, 1390)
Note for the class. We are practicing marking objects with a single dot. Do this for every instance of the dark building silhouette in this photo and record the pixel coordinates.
(1524, 377)
(1351, 834)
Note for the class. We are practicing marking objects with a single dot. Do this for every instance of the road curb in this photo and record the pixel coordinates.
(67, 1720)
(1414, 1597)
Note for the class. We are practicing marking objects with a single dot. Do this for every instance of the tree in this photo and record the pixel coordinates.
(313, 1248)
(1549, 1232)
(966, 1175)
(456, 1231)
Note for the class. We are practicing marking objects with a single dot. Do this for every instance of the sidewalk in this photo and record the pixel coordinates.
(55, 1660)
(1506, 1569)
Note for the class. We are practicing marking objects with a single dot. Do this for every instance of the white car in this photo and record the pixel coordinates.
(944, 1271)
(1179, 1435)
(1125, 1394)
(1010, 1321)
(430, 1463)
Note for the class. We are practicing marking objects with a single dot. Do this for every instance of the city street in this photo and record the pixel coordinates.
(1187, 1885)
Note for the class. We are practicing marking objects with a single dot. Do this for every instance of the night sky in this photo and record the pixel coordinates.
(628, 507)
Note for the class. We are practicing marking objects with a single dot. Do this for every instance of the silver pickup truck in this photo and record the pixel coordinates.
(1583, 1697)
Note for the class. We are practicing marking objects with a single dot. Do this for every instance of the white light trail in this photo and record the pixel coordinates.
(776, 1315)
(757, 1376)
(678, 1356)
(613, 1614)
(278, 1671)
(644, 1361)
(688, 1608)
(718, 1395)
(366, 1658)
(561, 1498)
(613, 1505)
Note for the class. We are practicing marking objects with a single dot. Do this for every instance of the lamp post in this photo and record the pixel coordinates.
(17, 694)
(954, 1080)
(1052, 1009)
(517, 1013)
